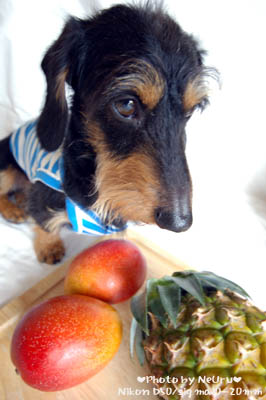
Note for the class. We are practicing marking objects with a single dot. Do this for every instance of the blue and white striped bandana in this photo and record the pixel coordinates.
(46, 167)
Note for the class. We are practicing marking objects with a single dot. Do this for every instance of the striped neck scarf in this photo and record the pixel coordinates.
(47, 167)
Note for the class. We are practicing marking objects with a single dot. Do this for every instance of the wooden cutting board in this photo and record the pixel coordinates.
(119, 379)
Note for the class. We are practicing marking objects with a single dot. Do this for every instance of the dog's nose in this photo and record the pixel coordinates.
(173, 220)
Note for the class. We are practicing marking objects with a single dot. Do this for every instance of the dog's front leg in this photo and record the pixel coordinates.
(47, 208)
(48, 246)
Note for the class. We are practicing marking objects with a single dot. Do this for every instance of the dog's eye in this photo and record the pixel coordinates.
(126, 108)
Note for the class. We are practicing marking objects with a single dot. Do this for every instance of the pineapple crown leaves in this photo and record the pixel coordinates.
(162, 298)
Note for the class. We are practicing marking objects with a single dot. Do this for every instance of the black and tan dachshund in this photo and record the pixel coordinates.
(136, 78)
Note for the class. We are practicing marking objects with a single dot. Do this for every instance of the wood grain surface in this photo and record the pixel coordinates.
(118, 380)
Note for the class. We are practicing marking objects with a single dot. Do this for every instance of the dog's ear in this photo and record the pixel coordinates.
(59, 64)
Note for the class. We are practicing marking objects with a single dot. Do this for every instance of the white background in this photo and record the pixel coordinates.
(226, 146)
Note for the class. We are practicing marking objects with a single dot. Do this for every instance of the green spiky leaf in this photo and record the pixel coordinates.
(221, 283)
(132, 337)
(191, 284)
(139, 309)
(154, 301)
(139, 346)
(170, 295)
(136, 339)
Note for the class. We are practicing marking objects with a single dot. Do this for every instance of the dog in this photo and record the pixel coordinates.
(116, 150)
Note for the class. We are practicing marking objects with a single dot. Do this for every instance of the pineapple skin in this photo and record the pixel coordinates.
(216, 351)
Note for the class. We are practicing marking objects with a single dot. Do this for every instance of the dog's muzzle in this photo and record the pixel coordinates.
(176, 220)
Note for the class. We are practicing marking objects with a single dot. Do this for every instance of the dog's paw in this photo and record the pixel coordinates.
(51, 253)
(48, 247)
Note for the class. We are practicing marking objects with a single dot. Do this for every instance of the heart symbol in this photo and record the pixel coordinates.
(237, 379)
(141, 379)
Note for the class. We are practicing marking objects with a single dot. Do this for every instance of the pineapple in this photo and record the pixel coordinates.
(201, 337)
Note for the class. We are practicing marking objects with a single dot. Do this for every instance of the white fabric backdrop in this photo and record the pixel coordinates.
(226, 144)
(27, 28)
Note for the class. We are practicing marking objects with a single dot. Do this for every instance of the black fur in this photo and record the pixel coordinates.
(89, 53)
(6, 157)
